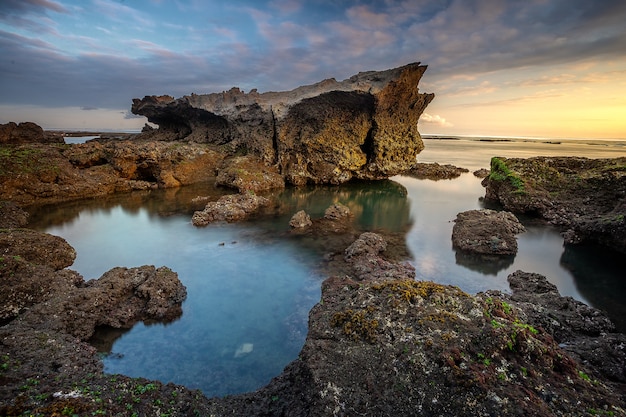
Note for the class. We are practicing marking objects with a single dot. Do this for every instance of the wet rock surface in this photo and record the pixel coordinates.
(435, 171)
(486, 232)
(586, 198)
(379, 343)
(364, 127)
(40, 174)
(27, 132)
(229, 208)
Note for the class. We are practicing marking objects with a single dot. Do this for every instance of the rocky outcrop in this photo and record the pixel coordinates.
(363, 127)
(11, 215)
(249, 174)
(486, 232)
(27, 132)
(229, 208)
(584, 197)
(585, 333)
(39, 174)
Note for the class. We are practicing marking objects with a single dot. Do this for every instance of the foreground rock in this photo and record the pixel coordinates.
(379, 343)
(486, 232)
(363, 127)
(585, 197)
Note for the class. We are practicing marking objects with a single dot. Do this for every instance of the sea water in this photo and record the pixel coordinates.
(250, 288)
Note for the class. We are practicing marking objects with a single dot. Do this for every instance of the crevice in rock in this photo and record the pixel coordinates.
(368, 144)
(275, 139)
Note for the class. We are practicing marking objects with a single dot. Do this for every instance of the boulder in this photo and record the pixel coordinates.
(364, 127)
(486, 232)
(229, 208)
(300, 220)
(337, 212)
(435, 171)
(27, 132)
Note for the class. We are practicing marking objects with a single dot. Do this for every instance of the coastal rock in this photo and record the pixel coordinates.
(249, 174)
(481, 173)
(329, 132)
(39, 174)
(586, 333)
(300, 220)
(336, 212)
(402, 347)
(11, 215)
(435, 171)
(585, 197)
(229, 208)
(486, 232)
(37, 247)
(379, 343)
(119, 299)
(27, 132)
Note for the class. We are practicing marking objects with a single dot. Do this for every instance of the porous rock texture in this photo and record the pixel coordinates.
(584, 197)
(330, 132)
(380, 342)
(486, 232)
(27, 132)
(229, 208)
(48, 173)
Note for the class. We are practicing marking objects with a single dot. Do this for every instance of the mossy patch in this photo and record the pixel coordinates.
(500, 172)
(358, 324)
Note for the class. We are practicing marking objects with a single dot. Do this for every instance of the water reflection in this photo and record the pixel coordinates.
(485, 264)
(250, 289)
(599, 275)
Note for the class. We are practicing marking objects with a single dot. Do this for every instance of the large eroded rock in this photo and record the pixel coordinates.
(330, 132)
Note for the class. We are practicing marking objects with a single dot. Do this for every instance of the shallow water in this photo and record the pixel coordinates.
(250, 289)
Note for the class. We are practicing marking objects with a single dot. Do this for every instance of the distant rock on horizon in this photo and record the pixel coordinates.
(26, 132)
(364, 127)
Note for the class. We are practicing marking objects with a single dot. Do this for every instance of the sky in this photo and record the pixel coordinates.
(531, 68)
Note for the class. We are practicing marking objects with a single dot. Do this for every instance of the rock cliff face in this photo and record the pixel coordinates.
(364, 127)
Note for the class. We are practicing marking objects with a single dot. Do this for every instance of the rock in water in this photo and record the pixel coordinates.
(364, 127)
(487, 232)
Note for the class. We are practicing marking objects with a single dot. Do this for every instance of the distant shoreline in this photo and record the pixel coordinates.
(549, 141)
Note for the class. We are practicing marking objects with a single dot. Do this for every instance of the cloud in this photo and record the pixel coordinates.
(8, 7)
(129, 115)
(435, 120)
(278, 45)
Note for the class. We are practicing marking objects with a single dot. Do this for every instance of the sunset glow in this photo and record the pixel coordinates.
(535, 68)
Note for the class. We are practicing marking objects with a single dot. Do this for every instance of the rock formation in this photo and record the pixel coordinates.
(229, 208)
(486, 232)
(27, 132)
(584, 197)
(364, 127)
(434, 171)
(49, 173)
